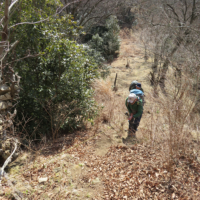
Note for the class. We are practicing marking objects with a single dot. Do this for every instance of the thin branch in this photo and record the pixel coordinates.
(104, 16)
(9, 9)
(12, 4)
(93, 7)
(8, 160)
(58, 12)
(186, 7)
(13, 45)
(29, 23)
(193, 16)
(29, 56)
(173, 11)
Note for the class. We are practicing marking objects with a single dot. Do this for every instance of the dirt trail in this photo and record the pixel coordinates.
(139, 70)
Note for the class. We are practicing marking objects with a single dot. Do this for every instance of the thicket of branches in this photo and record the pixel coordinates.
(171, 36)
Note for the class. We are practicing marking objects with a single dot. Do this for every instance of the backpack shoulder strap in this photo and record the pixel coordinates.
(127, 103)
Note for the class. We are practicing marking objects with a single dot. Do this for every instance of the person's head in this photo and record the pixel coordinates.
(134, 82)
(138, 86)
(132, 98)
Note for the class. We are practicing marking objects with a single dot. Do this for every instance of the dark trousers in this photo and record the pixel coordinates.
(133, 125)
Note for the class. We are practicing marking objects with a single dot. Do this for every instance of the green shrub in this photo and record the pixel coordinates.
(55, 75)
(107, 42)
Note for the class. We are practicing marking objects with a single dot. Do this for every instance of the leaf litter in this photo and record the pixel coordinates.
(135, 172)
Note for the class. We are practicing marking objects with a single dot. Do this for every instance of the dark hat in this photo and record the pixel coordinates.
(139, 85)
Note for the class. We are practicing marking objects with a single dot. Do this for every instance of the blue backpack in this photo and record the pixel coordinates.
(138, 93)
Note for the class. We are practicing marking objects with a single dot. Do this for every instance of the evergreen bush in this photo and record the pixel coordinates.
(107, 42)
(55, 71)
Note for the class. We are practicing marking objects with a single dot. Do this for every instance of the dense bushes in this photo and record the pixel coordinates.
(106, 39)
(56, 74)
(62, 74)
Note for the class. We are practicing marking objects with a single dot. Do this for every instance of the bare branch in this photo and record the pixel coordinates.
(28, 56)
(193, 16)
(9, 9)
(12, 4)
(13, 45)
(29, 23)
(185, 12)
(58, 12)
(93, 7)
(8, 159)
(173, 11)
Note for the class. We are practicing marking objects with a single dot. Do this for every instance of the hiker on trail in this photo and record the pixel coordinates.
(139, 93)
(135, 85)
(135, 109)
(136, 88)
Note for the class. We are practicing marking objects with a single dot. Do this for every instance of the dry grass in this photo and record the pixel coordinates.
(113, 107)
(103, 90)
(127, 34)
(169, 122)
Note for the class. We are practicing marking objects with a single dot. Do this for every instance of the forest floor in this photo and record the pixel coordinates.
(97, 165)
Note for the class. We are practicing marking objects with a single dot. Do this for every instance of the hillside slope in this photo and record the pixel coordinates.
(97, 165)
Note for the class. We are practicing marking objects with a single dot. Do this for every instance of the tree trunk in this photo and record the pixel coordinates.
(9, 90)
(154, 70)
(165, 66)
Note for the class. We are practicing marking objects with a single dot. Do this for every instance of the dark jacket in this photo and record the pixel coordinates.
(133, 86)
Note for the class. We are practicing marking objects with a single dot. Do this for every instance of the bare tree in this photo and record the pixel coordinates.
(9, 83)
(173, 26)
(95, 12)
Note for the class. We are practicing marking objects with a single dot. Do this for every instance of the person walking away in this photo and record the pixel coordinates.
(135, 108)
(133, 85)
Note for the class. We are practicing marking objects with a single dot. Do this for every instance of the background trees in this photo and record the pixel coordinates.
(91, 13)
(172, 30)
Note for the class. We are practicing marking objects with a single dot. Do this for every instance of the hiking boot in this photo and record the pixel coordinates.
(131, 134)
(128, 139)
(133, 139)
(125, 140)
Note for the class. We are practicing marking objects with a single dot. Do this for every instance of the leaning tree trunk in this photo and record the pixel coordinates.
(154, 68)
(9, 91)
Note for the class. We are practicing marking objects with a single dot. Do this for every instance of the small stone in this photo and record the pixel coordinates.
(4, 88)
(41, 180)
(3, 105)
(67, 156)
(96, 180)
(5, 97)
